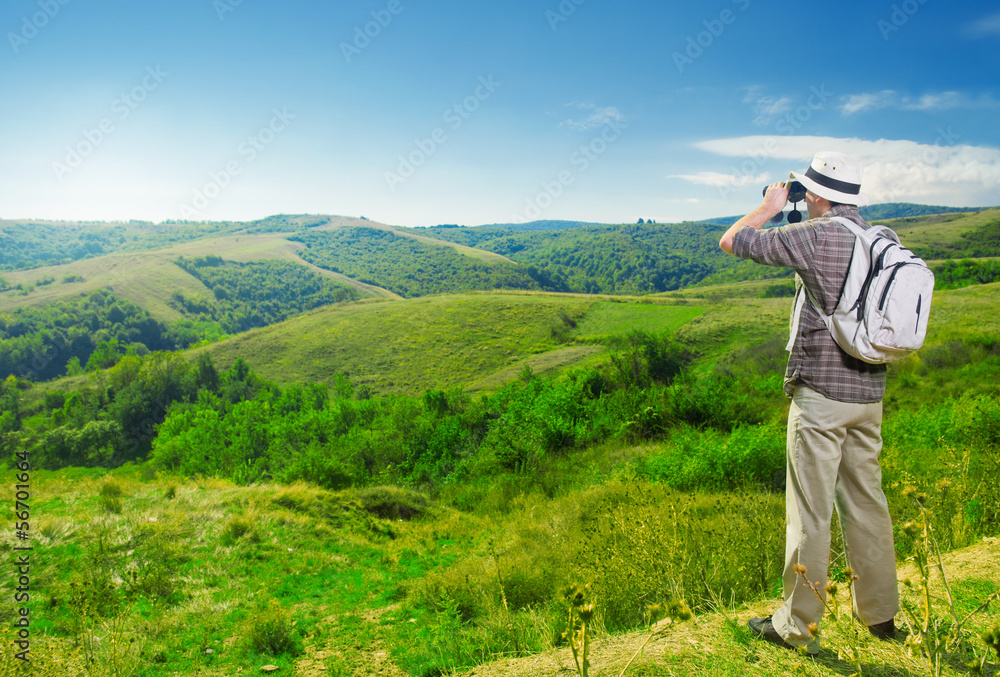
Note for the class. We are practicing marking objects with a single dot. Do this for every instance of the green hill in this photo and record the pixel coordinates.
(149, 278)
(441, 342)
(950, 236)
(30, 244)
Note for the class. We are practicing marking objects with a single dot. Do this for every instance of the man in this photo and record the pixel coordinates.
(835, 420)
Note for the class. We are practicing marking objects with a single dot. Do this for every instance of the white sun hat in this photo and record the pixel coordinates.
(834, 176)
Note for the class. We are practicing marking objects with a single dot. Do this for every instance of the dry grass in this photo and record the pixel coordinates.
(718, 643)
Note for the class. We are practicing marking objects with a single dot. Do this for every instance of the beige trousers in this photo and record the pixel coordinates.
(832, 455)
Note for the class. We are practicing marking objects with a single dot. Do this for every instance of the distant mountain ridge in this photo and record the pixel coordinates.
(879, 212)
(548, 224)
(888, 210)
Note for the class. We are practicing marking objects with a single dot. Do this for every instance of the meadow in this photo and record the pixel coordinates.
(423, 568)
(440, 485)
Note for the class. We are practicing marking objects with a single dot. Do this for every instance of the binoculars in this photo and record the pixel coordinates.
(796, 194)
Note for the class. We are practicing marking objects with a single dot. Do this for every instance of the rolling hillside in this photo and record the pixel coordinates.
(942, 236)
(475, 340)
(373, 260)
(148, 278)
(373, 257)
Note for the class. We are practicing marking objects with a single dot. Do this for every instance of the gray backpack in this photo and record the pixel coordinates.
(882, 312)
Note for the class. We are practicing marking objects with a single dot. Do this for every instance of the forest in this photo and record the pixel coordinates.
(406, 266)
(42, 343)
(257, 293)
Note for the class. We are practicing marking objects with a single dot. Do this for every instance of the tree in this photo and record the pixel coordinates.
(10, 400)
(104, 356)
(206, 375)
(73, 367)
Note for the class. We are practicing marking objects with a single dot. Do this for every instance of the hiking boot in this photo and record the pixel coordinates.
(764, 628)
(885, 630)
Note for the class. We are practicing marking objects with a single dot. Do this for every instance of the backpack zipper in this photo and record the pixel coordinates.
(888, 285)
(872, 272)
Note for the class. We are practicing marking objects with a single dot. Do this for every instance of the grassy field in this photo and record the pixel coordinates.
(719, 644)
(939, 230)
(406, 346)
(174, 576)
(149, 278)
(141, 577)
(608, 318)
(476, 340)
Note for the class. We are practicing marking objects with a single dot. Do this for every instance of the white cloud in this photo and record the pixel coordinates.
(766, 108)
(946, 173)
(888, 98)
(855, 103)
(942, 101)
(718, 179)
(597, 117)
(985, 27)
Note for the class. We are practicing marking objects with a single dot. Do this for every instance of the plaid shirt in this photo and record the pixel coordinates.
(819, 250)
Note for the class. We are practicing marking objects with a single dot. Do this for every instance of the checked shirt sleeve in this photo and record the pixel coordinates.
(791, 246)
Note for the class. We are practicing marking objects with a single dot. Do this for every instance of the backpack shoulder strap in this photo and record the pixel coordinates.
(858, 230)
(793, 328)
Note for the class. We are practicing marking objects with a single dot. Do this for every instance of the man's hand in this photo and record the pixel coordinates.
(776, 197)
(774, 202)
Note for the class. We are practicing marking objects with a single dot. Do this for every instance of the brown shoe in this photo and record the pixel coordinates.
(885, 630)
(764, 628)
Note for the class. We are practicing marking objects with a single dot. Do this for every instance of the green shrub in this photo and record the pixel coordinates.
(111, 488)
(239, 527)
(711, 460)
(270, 630)
(392, 503)
(640, 358)
(112, 504)
(724, 401)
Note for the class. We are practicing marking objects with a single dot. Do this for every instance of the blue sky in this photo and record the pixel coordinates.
(420, 112)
